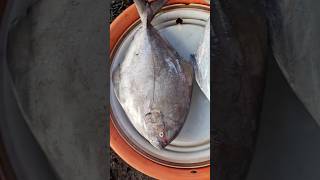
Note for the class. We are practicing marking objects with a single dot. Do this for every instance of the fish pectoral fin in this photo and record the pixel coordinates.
(188, 68)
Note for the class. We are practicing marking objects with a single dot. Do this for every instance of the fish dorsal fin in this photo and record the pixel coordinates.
(147, 10)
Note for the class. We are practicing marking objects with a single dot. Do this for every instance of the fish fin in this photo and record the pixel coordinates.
(141, 7)
(188, 68)
(194, 62)
(116, 80)
(157, 5)
(147, 10)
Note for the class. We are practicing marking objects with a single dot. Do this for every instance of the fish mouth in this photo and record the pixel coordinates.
(159, 144)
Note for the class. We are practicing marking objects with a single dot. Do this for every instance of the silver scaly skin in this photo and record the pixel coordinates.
(202, 62)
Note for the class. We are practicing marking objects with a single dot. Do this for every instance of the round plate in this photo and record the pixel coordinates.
(191, 148)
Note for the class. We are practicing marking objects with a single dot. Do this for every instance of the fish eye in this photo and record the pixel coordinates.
(161, 134)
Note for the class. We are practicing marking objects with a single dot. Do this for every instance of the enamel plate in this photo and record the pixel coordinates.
(191, 148)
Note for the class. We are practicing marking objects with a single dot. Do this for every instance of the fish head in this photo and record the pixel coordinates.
(155, 129)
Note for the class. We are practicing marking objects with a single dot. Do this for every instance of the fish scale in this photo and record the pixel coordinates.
(202, 62)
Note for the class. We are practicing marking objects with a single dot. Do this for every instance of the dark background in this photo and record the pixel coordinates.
(56, 60)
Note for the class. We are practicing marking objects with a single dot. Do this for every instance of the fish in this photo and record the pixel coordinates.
(239, 49)
(294, 37)
(201, 62)
(153, 83)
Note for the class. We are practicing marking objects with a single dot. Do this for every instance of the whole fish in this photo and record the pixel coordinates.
(239, 48)
(153, 83)
(295, 31)
(202, 62)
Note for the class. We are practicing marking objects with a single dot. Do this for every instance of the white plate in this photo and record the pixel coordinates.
(192, 145)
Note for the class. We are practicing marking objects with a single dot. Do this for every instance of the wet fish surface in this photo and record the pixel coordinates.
(202, 62)
(295, 30)
(238, 49)
(153, 83)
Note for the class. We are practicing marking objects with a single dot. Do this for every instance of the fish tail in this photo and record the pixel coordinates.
(147, 10)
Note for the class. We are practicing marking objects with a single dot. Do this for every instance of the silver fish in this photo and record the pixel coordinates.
(202, 62)
(153, 83)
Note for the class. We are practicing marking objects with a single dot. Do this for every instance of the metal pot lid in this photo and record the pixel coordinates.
(191, 148)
